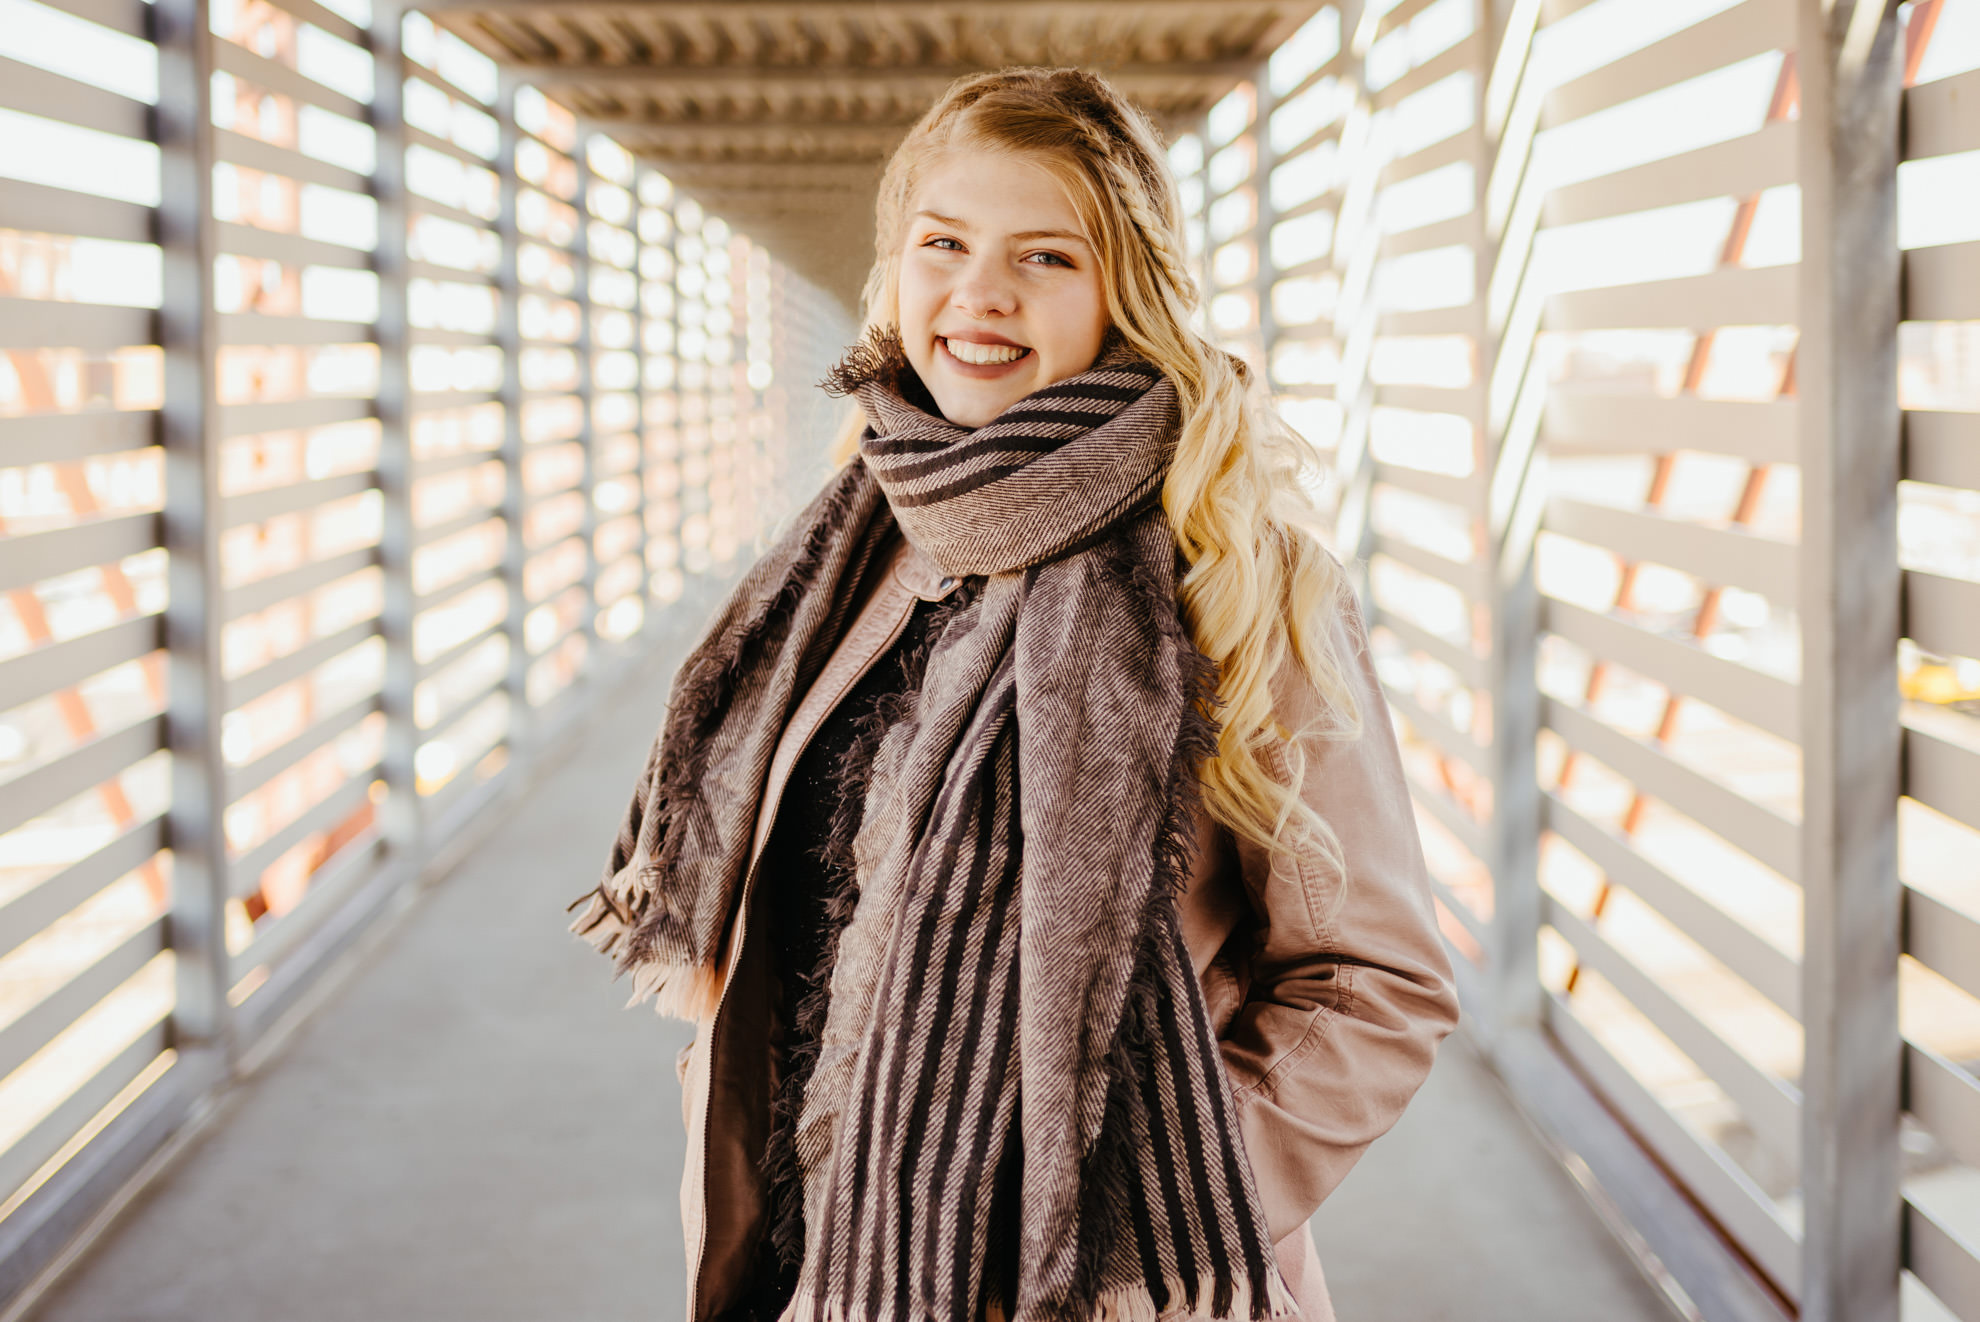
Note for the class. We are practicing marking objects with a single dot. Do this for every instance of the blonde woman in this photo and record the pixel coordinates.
(1026, 835)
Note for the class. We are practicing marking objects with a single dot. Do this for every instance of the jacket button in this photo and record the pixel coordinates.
(946, 584)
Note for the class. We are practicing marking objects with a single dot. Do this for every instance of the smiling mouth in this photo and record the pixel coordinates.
(983, 355)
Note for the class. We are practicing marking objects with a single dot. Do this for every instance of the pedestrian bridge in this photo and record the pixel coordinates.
(387, 394)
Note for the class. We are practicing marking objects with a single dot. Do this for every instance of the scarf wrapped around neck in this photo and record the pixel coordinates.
(1012, 1011)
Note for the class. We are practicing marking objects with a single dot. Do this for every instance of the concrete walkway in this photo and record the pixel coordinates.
(471, 1129)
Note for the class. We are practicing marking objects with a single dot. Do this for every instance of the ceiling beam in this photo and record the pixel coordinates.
(774, 10)
(733, 79)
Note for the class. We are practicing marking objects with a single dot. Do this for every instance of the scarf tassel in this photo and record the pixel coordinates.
(1132, 1304)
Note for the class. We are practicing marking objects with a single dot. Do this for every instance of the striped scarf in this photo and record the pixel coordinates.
(1012, 1005)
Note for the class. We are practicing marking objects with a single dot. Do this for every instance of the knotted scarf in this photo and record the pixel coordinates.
(1012, 992)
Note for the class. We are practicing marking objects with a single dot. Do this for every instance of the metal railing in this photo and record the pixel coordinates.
(1637, 348)
(361, 414)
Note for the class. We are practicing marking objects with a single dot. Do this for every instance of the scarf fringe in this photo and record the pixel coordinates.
(1132, 1303)
(680, 991)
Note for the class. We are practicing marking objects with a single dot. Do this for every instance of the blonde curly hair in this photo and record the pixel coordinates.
(1260, 583)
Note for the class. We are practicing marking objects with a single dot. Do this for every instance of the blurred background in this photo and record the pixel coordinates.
(386, 396)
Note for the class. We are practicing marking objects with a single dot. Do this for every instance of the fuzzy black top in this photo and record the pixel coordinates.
(805, 898)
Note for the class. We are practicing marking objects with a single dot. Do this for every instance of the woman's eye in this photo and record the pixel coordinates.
(940, 239)
(1056, 259)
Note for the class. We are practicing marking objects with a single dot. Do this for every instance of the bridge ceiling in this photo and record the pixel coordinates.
(779, 114)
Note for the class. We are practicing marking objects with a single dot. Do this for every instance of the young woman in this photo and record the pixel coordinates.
(1026, 835)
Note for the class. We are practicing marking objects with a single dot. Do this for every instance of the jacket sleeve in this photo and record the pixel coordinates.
(1346, 1005)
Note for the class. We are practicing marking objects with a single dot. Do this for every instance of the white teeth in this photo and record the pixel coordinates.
(982, 354)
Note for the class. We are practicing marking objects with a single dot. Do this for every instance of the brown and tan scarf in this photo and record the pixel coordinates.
(1013, 985)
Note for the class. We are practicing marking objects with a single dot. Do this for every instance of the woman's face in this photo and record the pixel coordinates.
(999, 286)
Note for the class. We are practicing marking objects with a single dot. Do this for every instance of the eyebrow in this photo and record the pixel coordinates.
(957, 224)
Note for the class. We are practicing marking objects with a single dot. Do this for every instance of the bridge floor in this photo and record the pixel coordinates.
(469, 1129)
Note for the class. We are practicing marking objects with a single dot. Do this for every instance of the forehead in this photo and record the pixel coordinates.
(993, 191)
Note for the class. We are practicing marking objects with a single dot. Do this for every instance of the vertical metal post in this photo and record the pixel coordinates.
(1357, 244)
(587, 401)
(400, 819)
(187, 238)
(1850, 590)
(639, 391)
(1513, 490)
(1263, 159)
(515, 497)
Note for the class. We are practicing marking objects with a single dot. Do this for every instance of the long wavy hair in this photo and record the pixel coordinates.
(1260, 584)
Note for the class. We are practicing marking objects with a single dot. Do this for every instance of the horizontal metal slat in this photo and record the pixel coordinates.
(1726, 38)
(43, 209)
(1467, 576)
(1463, 401)
(1461, 492)
(1469, 667)
(244, 780)
(40, 1144)
(1735, 296)
(1759, 830)
(439, 532)
(441, 660)
(1942, 614)
(1943, 939)
(430, 401)
(1611, 422)
(1942, 448)
(1946, 1263)
(1745, 694)
(39, 789)
(1460, 146)
(309, 11)
(48, 438)
(1769, 971)
(36, 91)
(288, 249)
(451, 275)
(1943, 116)
(1722, 557)
(329, 887)
(1460, 320)
(1942, 283)
(434, 142)
(35, 323)
(453, 588)
(453, 339)
(439, 464)
(1469, 921)
(1403, 12)
(291, 414)
(1466, 54)
(1705, 1171)
(273, 76)
(67, 1003)
(445, 211)
(244, 873)
(55, 666)
(1941, 774)
(1438, 234)
(444, 83)
(240, 149)
(1772, 1107)
(271, 675)
(265, 592)
(1439, 731)
(29, 913)
(42, 555)
(1945, 1099)
(1452, 817)
(130, 17)
(261, 328)
(1739, 168)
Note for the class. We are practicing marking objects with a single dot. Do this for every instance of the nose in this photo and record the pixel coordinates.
(983, 288)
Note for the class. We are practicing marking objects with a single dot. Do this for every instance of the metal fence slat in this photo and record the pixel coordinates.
(1733, 296)
(238, 148)
(36, 790)
(28, 914)
(50, 438)
(56, 666)
(1942, 117)
(1942, 447)
(1942, 283)
(1615, 422)
(1722, 557)
(51, 210)
(1748, 29)
(1739, 168)
(1741, 692)
(273, 76)
(1760, 964)
(36, 323)
(1938, 1256)
(1760, 831)
(333, 808)
(1943, 939)
(47, 1138)
(48, 1017)
(262, 593)
(36, 91)
(33, 557)
(1941, 774)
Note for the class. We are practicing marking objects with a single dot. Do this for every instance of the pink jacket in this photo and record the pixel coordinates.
(1327, 1026)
